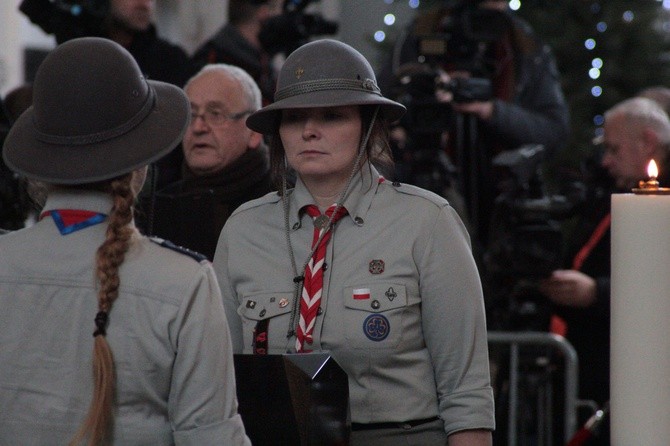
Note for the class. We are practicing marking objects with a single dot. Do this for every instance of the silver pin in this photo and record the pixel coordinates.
(321, 222)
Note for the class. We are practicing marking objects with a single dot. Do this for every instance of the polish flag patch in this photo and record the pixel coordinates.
(361, 293)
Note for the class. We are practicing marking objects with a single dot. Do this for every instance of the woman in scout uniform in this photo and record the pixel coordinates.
(160, 348)
(379, 274)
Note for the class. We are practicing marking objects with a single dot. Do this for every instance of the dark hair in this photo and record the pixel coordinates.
(377, 149)
(241, 11)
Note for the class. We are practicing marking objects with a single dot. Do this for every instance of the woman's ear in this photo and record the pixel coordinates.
(137, 182)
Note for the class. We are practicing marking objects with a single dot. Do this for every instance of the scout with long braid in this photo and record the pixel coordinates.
(109, 257)
(146, 316)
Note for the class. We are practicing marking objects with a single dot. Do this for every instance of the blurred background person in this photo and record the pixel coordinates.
(225, 162)
(130, 24)
(636, 131)
(15, 204)
(160, 351)
(127, 22)
(238, 42)
(658, 94)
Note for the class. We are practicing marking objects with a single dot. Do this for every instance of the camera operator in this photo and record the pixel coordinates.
(483, 41)
(635, 131)
(238, 43)
(257, 31)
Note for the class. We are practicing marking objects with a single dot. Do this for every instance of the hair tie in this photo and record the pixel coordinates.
(100, 323)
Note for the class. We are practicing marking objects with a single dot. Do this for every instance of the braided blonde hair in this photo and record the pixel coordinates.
(99, 420)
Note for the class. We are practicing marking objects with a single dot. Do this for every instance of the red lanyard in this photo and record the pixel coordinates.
(598, 233)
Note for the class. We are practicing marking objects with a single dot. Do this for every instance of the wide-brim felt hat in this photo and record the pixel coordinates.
(324, 73)
(94, 116)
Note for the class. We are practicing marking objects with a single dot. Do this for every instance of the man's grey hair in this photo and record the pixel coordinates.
(247, 83)
(641, 112)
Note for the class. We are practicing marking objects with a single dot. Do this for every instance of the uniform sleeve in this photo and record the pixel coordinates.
(202, 404)
(454, 325)
(230, 301)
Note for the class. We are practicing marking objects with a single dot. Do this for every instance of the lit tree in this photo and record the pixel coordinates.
(606, 51)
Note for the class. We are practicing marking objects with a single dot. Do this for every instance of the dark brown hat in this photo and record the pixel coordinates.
(94, 116)
(324, 73)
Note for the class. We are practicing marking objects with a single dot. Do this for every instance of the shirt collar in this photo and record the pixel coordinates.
(357, 202)
(87, 200)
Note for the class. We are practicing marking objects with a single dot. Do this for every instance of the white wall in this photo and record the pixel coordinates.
(17, 33)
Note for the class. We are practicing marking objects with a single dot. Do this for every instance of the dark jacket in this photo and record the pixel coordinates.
(588, 329)
(191, 212)
(230, 47)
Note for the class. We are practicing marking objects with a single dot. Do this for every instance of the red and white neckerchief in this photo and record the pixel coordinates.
(310, 299)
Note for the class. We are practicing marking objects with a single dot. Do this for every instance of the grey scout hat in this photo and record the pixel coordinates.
(94, 116)
(324, 73)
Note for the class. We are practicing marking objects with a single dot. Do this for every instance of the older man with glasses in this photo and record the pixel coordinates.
(225, 163)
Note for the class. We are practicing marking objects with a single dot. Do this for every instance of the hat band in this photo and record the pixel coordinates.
(365, 85)
(105, 135)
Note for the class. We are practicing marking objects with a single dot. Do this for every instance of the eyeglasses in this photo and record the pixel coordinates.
(216, 117)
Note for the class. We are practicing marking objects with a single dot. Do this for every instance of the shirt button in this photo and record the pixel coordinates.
(319, 311)
(359, 221)
(296, 226)
(396, 184)
(375, 305)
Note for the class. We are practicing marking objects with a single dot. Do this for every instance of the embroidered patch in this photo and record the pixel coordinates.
(69, 220)
(376, 327)
(376, 266)
(361, 293)
(391, 294)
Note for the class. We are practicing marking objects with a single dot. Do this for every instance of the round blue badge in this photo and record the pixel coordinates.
(376, 327)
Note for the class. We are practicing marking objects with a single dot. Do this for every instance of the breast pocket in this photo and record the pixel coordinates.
(374, 315)
(268, 311)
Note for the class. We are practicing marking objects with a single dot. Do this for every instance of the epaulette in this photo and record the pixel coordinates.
(416, 191)
(270, 197)
(180, 249)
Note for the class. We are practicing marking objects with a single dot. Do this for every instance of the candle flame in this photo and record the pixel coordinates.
(652, 169)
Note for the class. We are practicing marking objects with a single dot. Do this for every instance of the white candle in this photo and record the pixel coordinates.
(640, 326)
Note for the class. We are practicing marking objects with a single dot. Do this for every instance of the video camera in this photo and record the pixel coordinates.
(526, 238)
(462, 43)
(458, 41)
(293, 27)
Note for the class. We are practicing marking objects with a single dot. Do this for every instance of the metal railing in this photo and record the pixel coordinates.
(515, 340)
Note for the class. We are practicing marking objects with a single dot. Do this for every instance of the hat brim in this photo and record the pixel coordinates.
(266, 119)
(155, 136)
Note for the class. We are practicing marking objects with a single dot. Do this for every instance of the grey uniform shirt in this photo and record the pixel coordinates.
(167, 332)
(416, 347)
